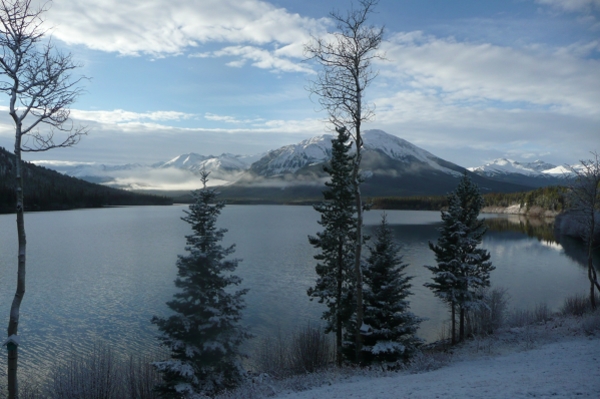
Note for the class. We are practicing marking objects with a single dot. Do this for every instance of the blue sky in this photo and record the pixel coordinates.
(469, 81)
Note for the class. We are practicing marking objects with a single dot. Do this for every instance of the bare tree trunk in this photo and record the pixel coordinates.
(591, 272)
(453, 306)
(13, 324)
(338, 320)
(461, 336)
(358, 250)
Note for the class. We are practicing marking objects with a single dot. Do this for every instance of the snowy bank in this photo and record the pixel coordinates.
(558, 358)
(516, 209)
(559, 370)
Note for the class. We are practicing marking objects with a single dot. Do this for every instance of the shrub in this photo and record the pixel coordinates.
(306, 351)
(311, 350)
(577, 305)
(100, 374)
(490, 315)
(521, 318)
(91, 376)
(272, 356)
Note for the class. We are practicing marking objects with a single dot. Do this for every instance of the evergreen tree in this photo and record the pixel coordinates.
(204, 334)
(462, 268)
(336, 242)
(391, 328)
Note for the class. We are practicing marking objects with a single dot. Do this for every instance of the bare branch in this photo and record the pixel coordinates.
(345, 58)
(37, 78)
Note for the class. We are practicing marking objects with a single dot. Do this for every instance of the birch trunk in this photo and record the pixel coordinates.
(453, 306)
(13, 324)
(591, 272)
(338, 319)
(358, 251)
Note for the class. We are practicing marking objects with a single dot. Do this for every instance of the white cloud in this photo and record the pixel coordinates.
(172, 27)
(480, 75)
(230, 119)
(122, 116)
(260, 58)
(572, 5)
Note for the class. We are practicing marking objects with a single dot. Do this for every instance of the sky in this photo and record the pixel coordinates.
(468, 80)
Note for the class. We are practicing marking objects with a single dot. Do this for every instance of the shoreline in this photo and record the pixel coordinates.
(534, 211)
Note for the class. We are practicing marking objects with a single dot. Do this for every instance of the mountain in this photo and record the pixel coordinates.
(391, 166)
(378, 146)
(47, 189)
(536, 174)
(177, 174)
(292, 158)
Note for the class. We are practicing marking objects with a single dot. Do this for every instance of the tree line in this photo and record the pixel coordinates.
(45, 189)
(552, 198)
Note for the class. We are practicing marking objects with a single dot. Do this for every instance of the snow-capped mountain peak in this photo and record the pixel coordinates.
(317, 150)
(196, 162)
(290, 158)
(401, 150)
(503, 166)
(185, 161)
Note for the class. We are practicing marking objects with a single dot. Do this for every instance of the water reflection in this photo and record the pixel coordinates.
(542, 229)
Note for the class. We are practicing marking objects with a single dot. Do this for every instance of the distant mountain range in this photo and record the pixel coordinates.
(536, 174)
(391, 166)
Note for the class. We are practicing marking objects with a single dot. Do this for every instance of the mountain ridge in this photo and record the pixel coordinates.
(390, 166)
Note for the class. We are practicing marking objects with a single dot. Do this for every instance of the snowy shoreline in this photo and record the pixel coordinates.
(516, 209)
(558, 358)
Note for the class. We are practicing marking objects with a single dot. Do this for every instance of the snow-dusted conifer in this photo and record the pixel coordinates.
(336, 242)
(462, 268)
(390, 328)
(205, 333)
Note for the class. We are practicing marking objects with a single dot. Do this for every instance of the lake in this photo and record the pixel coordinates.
(101, 274)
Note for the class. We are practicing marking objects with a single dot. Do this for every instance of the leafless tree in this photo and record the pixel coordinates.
(584, 196)
(37, 79)
(345, 58)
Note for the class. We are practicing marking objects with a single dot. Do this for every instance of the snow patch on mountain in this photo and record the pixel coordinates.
(317, 150)
(538, 168)
(401, 150)
(291, 158)
(504, 166)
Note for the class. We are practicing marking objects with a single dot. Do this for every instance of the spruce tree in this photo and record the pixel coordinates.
(205, 333)
(462, 268)
(390, 333)
(336, 242)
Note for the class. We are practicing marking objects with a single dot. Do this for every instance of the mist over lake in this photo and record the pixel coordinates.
(101, 274)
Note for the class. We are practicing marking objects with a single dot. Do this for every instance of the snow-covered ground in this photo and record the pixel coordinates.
(560, 370)
(557, 359)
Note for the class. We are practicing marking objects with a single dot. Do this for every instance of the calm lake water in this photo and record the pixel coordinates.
(101, 274)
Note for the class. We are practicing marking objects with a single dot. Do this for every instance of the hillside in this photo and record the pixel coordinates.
(46, 189)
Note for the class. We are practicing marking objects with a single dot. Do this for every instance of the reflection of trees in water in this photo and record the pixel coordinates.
(576, 250)
(542, 229)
